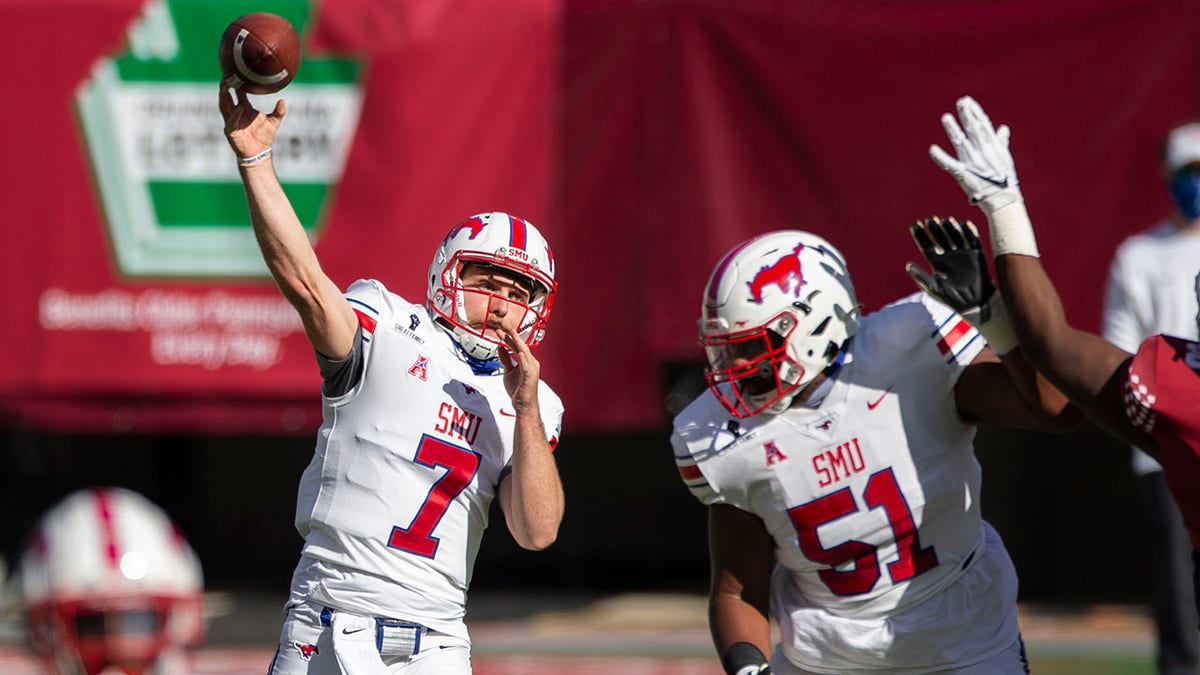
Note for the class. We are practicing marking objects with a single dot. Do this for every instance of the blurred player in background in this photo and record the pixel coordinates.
(1150, 292)
(109, 585)
(431, 411)
(835, 455)
(1150, 398)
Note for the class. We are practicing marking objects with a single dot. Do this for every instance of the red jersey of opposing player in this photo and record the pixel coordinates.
(1162, 398)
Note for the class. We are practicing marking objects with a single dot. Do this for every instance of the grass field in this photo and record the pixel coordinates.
(1084, 665)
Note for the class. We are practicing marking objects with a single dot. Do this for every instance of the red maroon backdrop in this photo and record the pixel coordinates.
(644, 137)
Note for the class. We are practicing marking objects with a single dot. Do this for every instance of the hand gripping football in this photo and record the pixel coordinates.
(259, 53)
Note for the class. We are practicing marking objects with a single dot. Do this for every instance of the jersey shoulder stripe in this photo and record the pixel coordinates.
(703, 432)
(953, 336)
(365, 319)
(366, 298)
(689, 471)
(910, 324)
(693, 478)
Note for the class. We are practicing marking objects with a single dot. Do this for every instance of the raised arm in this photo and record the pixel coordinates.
(1084, 366)
(328, 320)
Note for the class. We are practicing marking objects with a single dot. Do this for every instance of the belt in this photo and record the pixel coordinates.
(392, 636)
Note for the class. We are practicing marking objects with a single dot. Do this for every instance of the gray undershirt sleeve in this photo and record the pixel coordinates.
(342, 375)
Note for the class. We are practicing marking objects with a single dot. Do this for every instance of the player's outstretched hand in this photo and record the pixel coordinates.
(960, 275)
(250, 133)
(521, 372)
(982, 163)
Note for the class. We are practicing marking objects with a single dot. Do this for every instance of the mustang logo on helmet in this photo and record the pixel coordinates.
(499, 240)
(784, 273)
(476, 224)
(764, 346)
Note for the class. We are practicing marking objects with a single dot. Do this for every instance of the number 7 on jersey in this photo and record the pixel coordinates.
(461, 465)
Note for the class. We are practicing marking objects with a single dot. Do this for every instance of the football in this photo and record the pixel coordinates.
(259, 53)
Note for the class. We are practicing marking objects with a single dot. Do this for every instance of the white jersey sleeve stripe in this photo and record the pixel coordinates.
(367, 319)
(354, 301)
(694, 479)
(953, 336)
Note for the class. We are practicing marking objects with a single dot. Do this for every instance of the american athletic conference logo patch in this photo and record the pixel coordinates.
(420, 368)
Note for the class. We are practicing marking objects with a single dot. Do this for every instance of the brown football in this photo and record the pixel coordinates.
(259, 53)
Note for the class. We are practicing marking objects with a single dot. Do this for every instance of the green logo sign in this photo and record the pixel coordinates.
(168, 182)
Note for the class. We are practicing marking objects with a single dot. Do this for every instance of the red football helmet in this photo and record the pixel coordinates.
(776, 312)
(499, 240)
(108, 581)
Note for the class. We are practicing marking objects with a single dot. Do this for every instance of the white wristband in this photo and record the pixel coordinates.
(998, 330)
(1012, 233)
(254, 159)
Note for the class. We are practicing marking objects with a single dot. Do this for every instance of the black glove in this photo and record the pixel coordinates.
(744, 658)
(961, 279)
(960, 275)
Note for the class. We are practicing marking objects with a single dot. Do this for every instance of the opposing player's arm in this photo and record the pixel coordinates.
(328, 320)
(1087, 367)
(741, 555)
(1007, 391)
(531, 495)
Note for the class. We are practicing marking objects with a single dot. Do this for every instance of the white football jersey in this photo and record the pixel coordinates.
(872, 497)
(1151, 287)
(395, 501)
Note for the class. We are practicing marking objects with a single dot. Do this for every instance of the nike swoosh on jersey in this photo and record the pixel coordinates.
(871, 405)
(347, 631)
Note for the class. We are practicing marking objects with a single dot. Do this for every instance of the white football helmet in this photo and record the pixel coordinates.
(500, 240)
(108, 581)
(777, 311)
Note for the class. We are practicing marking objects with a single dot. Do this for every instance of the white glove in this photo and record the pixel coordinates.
(985, 170)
